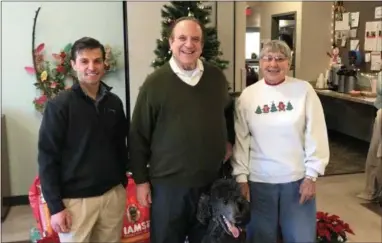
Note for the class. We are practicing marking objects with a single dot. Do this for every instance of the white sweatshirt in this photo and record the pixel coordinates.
(281, 133)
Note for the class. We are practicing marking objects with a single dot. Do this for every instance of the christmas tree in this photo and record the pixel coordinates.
(258, 110)
(170, 13)
(289, 106)
(273, 107)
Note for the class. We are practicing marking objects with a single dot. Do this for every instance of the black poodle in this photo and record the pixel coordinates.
(225, 211)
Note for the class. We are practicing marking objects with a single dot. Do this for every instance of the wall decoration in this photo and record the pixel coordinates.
(53, 76)
(373, 36)
(339, 10)
(378, 12)
(367, 34)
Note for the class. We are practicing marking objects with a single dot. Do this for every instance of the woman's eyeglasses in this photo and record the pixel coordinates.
(276, 58)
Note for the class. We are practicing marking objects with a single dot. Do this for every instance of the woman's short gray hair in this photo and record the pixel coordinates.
(277, 46)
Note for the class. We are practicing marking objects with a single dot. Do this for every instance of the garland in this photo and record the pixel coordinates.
(51, 76)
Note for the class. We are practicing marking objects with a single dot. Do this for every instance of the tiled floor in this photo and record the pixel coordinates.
(336, 194)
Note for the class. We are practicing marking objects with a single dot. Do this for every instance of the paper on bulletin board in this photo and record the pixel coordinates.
(376, 62)
(373, 36)
(343, 24)
(354, 19)
(354, 45)
(367, 57)
(353, 33)
(378, 12)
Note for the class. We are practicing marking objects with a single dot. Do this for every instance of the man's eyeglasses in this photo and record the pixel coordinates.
(270, 58)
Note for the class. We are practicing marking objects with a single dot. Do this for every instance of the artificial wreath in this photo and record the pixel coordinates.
(51, 76)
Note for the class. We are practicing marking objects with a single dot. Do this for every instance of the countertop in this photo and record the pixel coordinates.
(334, 94)
(359, 99)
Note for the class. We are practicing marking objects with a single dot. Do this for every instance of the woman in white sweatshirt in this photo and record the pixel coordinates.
(281, 148)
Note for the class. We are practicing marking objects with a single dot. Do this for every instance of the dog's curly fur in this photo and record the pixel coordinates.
(224, 202)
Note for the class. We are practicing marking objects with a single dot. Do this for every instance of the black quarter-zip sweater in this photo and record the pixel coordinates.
(82, 149)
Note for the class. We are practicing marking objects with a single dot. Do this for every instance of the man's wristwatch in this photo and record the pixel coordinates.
(311, 178)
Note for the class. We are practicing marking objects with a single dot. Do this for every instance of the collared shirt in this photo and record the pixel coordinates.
(191, 77)
(100, 94)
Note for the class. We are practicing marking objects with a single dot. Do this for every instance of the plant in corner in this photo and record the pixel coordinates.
(331, 229)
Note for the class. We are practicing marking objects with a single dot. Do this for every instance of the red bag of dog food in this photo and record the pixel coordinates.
(40, 210)
(136, 222)
(136, 218)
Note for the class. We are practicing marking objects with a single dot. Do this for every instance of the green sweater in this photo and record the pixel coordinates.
(178, 132)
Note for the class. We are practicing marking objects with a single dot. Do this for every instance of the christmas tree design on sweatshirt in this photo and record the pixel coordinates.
(273, 108)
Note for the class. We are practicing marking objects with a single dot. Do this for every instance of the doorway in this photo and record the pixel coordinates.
(284, 28)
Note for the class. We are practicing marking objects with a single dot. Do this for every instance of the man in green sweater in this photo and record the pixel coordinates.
(178, 136)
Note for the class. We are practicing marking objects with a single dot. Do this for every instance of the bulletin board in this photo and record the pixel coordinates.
(364, 36)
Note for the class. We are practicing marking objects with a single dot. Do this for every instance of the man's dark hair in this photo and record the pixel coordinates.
(195, 20)
(86, 43)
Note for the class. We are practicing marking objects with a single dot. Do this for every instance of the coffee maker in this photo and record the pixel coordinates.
(343, 79)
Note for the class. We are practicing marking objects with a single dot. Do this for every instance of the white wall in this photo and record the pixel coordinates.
(270, 8)
(225, 28)
(312, 32)
(254, 20)
(240, 29)
(231, 33)
(315, 44)
(58, 23)
(142, 35)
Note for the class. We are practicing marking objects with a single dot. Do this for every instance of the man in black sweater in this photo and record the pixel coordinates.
(178, 136)
(82, 153)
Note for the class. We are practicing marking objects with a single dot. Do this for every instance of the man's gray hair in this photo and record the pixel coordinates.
(277, 46)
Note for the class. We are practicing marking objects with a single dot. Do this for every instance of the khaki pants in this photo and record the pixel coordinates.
(96, 219)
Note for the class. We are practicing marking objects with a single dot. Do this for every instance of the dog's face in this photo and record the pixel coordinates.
(133, 214)
(226, 206)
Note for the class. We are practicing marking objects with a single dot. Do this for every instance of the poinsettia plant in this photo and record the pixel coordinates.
(331, 229)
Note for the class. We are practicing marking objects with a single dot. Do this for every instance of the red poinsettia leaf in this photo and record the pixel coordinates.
(30, 70)
(327, 235)
(320, 225)
(40, 47)
(348, 229)
(338, 229)
(321, 232)
(320, 215)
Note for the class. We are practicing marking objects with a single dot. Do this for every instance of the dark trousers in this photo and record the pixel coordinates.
(173, 214)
